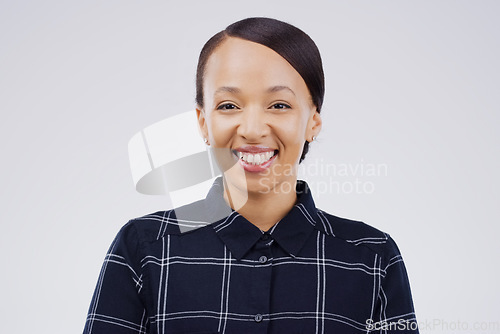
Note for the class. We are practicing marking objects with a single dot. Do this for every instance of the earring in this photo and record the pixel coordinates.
(205, 140)
(314, 138)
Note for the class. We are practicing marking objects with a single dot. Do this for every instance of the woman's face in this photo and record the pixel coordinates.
(257, 115)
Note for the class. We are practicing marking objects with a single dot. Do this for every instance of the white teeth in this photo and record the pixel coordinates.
(256, 159)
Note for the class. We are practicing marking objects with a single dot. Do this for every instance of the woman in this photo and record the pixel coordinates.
(263, 258)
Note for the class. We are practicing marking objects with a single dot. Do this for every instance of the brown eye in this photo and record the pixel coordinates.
(281, 106)
(227, 106)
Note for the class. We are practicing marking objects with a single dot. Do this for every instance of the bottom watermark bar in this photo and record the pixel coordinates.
(459, 325)
(429, 325)
(400, 325)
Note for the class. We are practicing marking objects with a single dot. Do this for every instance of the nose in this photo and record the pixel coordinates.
(253, 125)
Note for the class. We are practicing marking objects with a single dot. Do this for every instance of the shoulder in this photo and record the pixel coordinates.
(154, 226)
(359, 234)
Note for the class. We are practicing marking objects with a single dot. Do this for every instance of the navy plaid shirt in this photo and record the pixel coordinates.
(204, 268)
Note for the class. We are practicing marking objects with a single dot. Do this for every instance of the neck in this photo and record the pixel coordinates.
(263, 209)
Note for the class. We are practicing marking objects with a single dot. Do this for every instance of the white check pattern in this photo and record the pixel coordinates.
(311, 273)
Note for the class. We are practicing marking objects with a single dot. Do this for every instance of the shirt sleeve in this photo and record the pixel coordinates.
(394, 312)
(117, 306)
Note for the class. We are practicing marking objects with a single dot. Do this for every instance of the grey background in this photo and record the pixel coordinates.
(411, 85)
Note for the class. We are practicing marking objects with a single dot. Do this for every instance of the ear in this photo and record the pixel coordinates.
(313, 125)
(202, 121)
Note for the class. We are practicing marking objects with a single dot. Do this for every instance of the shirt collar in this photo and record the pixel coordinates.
(239, 235)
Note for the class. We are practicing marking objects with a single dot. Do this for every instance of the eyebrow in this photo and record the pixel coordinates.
(236, 90)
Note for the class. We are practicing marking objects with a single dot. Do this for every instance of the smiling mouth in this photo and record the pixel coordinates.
(255, 158)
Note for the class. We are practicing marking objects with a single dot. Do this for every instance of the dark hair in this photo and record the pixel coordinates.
(285, 39)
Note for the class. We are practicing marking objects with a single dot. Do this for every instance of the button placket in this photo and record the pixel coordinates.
(262, 276)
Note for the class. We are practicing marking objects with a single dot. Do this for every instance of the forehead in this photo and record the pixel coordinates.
(245, 64)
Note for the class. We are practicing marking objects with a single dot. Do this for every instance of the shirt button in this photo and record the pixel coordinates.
(265, 237)
(262, 259)
(258, 318)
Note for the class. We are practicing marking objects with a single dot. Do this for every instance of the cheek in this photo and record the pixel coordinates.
(220, 130)
(292, 131)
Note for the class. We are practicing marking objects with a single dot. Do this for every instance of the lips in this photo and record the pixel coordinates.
(255, 158)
